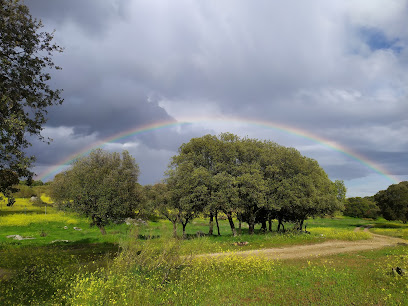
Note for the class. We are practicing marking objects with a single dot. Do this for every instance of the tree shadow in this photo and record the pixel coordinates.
(390, 225)
(147, 237)
(4, 213)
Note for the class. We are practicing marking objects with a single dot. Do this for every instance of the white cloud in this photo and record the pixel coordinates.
(388, 15)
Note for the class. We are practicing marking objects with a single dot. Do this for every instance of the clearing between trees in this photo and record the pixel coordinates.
(321, 249)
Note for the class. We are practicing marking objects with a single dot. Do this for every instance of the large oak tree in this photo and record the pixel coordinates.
(25, 65)
(251, 179)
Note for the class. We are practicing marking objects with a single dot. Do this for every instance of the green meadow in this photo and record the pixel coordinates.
(142, 264)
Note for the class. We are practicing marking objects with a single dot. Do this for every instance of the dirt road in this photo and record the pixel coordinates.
(321, 249)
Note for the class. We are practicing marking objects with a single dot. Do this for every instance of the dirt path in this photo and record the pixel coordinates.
(321, 249)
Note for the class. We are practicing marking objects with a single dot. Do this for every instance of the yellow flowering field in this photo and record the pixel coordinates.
(394, 232)
(341, 233)
(19, 219)
(22, 206)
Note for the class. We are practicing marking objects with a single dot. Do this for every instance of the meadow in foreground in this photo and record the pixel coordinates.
(144, 266)
(363, 278)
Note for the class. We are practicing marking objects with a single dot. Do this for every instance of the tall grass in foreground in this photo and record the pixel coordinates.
(160, 275)
(32, 275)
(241, 281)
(159, 271)
(35, 276)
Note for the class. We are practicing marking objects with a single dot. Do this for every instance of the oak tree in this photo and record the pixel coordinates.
(25, 94)
(393, 202)
(102, 186)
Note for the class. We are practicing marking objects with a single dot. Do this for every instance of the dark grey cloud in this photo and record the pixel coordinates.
(91, 16)
(333, 69)
(106, 116)
(346, 172)
(394, 162)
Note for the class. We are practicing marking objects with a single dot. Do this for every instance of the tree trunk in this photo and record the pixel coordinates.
(251, 227)
(216, 221)
(239, 227)
(280, 224)
(270, 224)
(211, 225)
(102, 229)
(251, 221)
(174, 229)
(184, 230)
(301, 225)
(231, 223)
(263, 227)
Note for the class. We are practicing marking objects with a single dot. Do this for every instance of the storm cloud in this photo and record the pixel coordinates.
(336, 70)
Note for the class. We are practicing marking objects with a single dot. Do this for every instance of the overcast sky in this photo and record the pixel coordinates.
(333, 69)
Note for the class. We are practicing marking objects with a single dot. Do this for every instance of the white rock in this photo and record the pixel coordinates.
(54, 241)
(18, 237)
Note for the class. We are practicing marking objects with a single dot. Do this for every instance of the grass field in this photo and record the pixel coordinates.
(126, 267)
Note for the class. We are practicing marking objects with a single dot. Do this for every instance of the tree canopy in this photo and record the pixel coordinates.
(102, 186)
(255, 180)
(25, 65)
(393, 202)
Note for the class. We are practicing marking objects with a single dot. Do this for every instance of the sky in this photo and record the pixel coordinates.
(328, 78)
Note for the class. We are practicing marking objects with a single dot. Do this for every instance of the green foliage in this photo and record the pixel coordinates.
(102, 186)
(24, 191)
(8, 179)
(25, 95)
(255, 180)
(361, 208)
(393, 202)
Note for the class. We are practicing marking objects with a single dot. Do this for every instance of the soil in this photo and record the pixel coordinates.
(321, 249)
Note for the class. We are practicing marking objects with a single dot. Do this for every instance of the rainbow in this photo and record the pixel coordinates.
(51, 171)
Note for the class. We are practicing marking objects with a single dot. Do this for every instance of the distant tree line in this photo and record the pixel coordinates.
(392, 204)
(361, 207)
